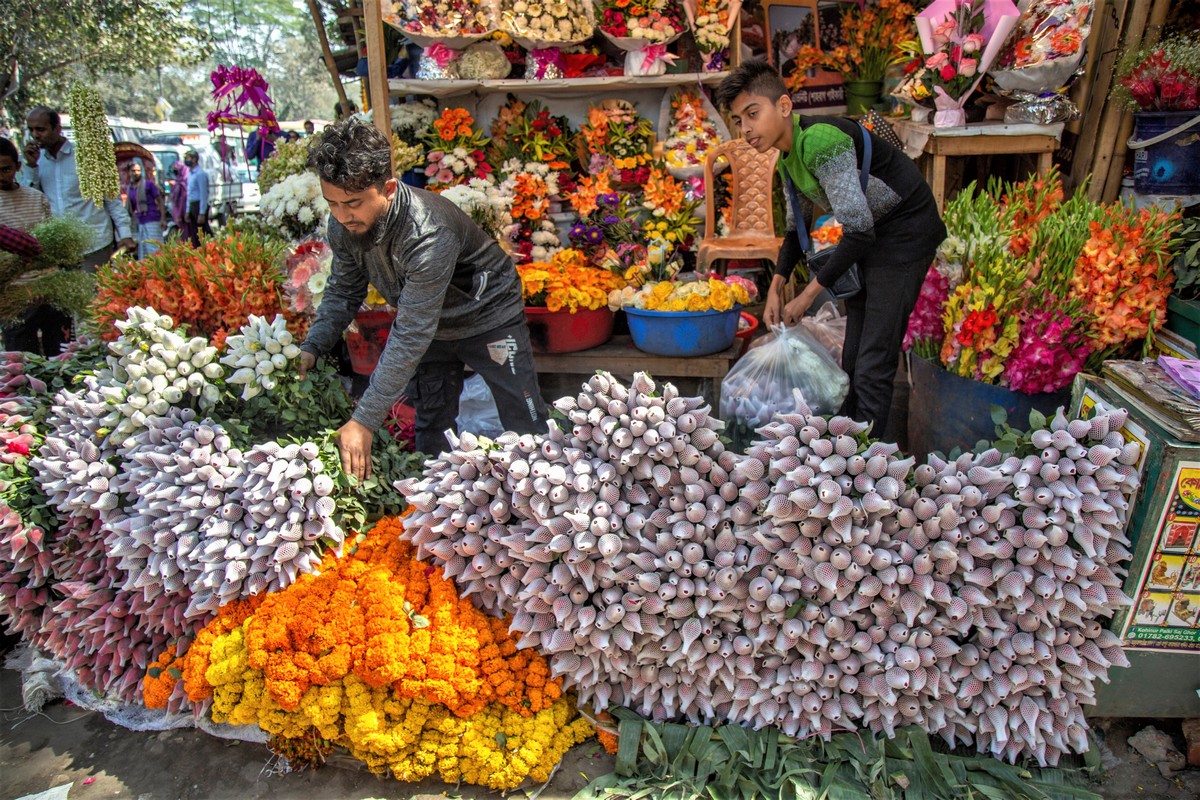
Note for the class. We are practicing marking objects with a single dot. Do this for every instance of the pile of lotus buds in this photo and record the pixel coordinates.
(818, 582)
(153, 367)
(260, 350)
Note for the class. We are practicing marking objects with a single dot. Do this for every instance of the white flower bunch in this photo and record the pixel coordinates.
(483, 202)
(553, 21)
(296, 206)
(546, 241)
(154, 367)
(411, 120)
(95, 159)
(257, 353)
(710, 32)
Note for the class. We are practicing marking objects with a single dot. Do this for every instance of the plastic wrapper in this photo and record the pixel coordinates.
(1044, 109)
(1044, 52)
(545, 64)
(484, 61)
(438, 63)
(693, 126)
(789, 369)
(828, 327)
(652, 59)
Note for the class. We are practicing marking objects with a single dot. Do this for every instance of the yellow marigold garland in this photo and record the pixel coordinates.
(379, 655)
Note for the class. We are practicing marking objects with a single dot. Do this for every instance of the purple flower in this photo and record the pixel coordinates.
(610, 199)
(611, 220)
(595, 236)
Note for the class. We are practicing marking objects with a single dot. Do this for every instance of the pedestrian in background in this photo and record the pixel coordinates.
(179, 204)
(197, 198)
(50, 166)
(145, 206)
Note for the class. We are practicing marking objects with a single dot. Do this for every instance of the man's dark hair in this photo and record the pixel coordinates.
(352, 155)
(51, 115)
(7, 148)
(753, 77)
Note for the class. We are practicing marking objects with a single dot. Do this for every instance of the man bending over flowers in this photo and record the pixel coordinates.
(457, 297)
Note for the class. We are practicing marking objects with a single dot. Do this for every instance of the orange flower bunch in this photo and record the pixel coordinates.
(453, 123)
(662, 191)
(595, 130)
(567, 282)
(391, 621)
(583, 199)
(873, 35)
(196, 660)
(213, 290)
(1029, 202)
(161, 678)
(828, 234)
(530, 200)
(1124, 274)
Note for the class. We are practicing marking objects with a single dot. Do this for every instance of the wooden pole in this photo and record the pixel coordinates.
(328, 54)
(377, 65)
(1105, 43)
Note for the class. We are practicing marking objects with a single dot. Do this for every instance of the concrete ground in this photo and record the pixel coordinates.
(66, 744)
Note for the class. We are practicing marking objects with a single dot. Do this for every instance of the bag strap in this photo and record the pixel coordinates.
(794, 200)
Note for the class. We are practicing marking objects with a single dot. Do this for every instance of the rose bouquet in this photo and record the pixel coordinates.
(618, 140)
(567, 282)
(961, 39)
(456, 150)
(1161, 78)
(296, 207)
(540, 25)
(1041, 58)
(690, 134)
(631, 24)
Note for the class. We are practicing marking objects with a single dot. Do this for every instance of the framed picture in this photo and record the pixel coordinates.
(793, 24)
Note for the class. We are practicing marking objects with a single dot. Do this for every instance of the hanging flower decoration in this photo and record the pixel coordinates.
(94, 155)
(242, 97)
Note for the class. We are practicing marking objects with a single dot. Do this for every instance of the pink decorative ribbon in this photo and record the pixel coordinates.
(241, 95)
(548, 64)
(656, 52)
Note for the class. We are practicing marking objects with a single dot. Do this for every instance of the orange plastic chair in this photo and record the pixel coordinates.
(752, 219)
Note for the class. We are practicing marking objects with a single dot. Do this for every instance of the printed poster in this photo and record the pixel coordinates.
(1166, 608)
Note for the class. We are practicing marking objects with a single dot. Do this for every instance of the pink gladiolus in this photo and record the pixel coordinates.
(967, 67)
(925, 323)
(937, 61)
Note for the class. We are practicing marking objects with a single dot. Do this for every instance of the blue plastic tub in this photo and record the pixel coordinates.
(683, 333)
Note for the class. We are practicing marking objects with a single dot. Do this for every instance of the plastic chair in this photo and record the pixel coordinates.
(752, 219)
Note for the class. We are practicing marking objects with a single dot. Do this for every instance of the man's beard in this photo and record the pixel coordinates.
(367, 237)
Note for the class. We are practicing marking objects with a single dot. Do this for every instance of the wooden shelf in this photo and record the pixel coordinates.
(560, 86)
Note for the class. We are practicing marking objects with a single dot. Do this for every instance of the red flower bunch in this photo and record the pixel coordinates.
(976, 323)
(1166, 79)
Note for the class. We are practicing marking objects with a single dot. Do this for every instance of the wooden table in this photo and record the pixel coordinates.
(561, 373)
(977, 139)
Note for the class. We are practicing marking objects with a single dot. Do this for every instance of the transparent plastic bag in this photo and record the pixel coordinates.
(789, 371)
(828, 327)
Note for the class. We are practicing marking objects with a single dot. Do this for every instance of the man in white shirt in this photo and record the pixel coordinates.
(50, 166)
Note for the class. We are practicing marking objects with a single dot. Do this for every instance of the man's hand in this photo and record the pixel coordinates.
(33, 152)
(127, 244)
(794, 311)
(354, 442)
(307, 362)
(203, 218)
(773, 313)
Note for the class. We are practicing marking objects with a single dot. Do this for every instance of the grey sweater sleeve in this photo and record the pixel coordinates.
(430, 260)
(345, 292)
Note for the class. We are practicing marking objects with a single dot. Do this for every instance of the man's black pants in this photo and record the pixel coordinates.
(876, 320)
(194, 226)
(503, 358)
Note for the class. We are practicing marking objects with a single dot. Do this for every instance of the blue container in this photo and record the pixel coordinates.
(683, 333)
(946, 411)
(1171, 166)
